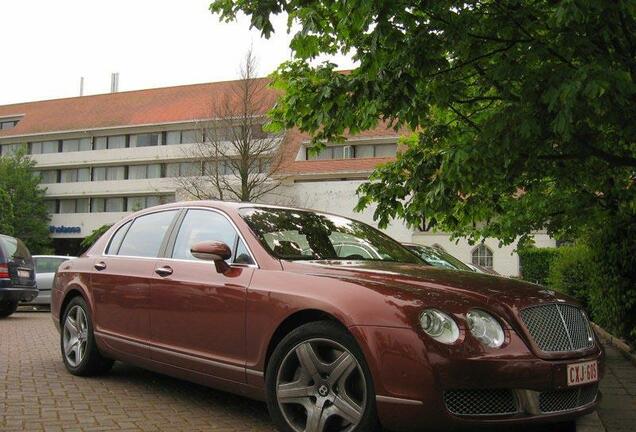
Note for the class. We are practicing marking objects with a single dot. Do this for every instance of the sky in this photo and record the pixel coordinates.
(48, 45)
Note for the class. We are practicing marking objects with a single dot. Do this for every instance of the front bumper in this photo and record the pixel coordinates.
(412, 381)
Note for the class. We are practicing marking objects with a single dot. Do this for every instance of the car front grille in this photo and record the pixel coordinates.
(480, 402)
(558, 327)
(567, 399)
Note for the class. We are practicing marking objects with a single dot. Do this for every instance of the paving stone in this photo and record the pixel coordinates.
(38, 394)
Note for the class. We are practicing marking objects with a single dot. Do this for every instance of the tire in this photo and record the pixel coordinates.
(8, 307)
(81, 356)
(330, 388)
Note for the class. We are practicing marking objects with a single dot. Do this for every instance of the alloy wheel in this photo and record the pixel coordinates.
(75, 336)
(321, 387)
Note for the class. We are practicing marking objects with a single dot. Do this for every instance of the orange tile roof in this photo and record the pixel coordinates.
(169, 105)
(123, 109)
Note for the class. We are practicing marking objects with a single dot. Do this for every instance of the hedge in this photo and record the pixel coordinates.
(535, 263)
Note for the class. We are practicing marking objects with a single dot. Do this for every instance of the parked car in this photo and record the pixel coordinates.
(256, 300)
(440, 258)
(437, 257)
(45, 268)
(17, 275)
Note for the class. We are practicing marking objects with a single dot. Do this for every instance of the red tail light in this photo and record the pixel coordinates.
(4, 271)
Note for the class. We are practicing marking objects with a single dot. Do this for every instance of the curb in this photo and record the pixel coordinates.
(617, 343)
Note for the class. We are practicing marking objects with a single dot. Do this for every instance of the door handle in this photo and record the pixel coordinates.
(164, 271)
(99, 266)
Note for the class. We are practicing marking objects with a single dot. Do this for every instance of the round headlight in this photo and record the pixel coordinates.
(485, 328)
(439, 326)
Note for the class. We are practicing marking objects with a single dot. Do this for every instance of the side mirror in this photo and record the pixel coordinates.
(213, 251)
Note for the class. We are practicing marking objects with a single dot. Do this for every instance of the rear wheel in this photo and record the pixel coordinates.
(8, 307)
(317, 380)
(77, 341)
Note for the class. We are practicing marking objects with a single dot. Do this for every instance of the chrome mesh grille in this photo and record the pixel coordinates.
(558, 327)
(480, 402)
(568, 399)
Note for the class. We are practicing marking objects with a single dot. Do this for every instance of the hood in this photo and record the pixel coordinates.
(422, 281)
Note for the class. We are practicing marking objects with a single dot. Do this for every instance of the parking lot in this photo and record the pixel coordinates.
(37, 394)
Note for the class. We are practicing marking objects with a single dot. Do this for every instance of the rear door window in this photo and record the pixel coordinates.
(146, 234)
(115, 241)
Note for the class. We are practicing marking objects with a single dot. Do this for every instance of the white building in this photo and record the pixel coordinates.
(101, 157)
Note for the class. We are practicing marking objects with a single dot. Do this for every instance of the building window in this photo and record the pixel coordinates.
(81, 205)
(353, 151)
(45, 147)
(11, 149)
(75, 175)
(136, 172)
(67, 206)
(110, 142)
(48, 176)
(73, 145)
(145, 140)
(183, 169)
(98, 205)
(116, 173)
(51, 206)
(115, 204)
(182, 137)
(8, 124)
(482, 256)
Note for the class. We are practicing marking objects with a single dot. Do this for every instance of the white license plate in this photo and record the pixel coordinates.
(24, 274)
(582, 373)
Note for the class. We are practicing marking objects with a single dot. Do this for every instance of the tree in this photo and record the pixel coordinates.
(24, 214)
(92, 238)
(523, 109)
(238, 159)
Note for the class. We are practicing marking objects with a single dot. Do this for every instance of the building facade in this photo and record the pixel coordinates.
(101, 157)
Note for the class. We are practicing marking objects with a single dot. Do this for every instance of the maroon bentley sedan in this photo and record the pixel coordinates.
(335, 325)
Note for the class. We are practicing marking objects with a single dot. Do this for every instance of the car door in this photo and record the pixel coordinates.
(198, 315)
(121, 282)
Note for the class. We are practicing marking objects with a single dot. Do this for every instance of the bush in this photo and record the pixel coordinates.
(572, 272)
(612, 299)
(535, 263)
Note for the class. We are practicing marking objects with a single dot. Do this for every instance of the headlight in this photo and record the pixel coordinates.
(485, 328)
(439, 326)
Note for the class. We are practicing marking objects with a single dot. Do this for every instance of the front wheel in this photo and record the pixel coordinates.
(79, 350)
(8, 307)
(317, 380)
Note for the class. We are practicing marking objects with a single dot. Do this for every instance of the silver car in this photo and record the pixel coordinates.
(45, 268)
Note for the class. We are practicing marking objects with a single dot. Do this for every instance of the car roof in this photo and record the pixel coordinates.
(228, 206)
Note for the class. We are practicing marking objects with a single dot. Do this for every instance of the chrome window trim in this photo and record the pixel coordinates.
(211, 209)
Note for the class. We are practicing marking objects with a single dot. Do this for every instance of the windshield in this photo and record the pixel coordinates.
(303, 235)
(438, 258)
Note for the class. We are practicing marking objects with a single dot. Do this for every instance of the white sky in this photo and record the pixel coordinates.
(48, 45)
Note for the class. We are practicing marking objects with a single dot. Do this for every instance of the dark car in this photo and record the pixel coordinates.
(17, 275)
(267, 302)
(437, 258)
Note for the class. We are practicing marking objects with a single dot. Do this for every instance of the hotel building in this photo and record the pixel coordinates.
(101, 157)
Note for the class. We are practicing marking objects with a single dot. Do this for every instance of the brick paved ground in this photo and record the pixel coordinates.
(37, 394)
(618, 406)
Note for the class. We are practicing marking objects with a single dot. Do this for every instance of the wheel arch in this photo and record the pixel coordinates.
(293, 321)
(72, 292)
